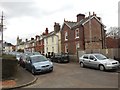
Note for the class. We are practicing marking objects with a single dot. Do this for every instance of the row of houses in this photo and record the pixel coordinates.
(87, 32)
(7, 47)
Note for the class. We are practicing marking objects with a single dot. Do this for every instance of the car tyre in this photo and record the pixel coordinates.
(81, 64)
(33, 71)
(102, 68)
(51, 70)
(58, 61)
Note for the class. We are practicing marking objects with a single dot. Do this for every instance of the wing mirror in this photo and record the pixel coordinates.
(95, 59)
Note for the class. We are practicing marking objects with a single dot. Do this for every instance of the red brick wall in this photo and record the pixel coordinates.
(40, 46)
(111, 43)
(71, 39)
(84, 34)
(95, 32)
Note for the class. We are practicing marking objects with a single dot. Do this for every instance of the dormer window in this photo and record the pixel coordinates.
(66, 36)
(77, 33)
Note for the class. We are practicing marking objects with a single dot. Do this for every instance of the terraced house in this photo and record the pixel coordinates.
(39, 46)
(85, 33)
(52, 40)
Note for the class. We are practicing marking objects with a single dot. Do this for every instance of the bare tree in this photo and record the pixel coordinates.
(114, 32)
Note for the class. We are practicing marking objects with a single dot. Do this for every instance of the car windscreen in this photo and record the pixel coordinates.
(18, 55)
(38, 59)
(100, 57)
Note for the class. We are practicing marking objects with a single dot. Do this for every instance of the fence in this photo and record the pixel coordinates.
(113, 53)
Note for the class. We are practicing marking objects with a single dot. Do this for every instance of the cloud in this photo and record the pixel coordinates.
(19, 9)
(27, 18)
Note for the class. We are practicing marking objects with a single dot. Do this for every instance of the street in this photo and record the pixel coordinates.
(71, 75)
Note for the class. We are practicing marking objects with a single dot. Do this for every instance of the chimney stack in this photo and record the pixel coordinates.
(94, 14)
(32, 38)
(36, 37)
(46, 31)
(26, 40)
(56, 27)
(89, 13)
(80, 17)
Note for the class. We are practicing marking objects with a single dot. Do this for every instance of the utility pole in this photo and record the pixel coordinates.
(1, 30)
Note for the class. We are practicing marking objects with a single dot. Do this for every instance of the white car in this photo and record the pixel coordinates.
(98, 61)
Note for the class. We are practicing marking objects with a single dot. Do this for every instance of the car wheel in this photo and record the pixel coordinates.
(101, 67)
(33, 71)
(81, 65)
(51, 70)
(58, 61)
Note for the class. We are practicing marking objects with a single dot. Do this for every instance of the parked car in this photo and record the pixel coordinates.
(18, 55)
(22, 60)
(98, 61)
(38, 64)
(36, 53)
(60, 57)
(32, 53)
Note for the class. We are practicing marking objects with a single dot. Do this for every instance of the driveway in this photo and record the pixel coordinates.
(71, 75)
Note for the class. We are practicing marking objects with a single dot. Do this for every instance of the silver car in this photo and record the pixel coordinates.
(98, 61)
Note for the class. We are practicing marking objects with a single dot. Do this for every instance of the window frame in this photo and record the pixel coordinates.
(76, 33)
(77, 44)
(66, 48)
(66, 35)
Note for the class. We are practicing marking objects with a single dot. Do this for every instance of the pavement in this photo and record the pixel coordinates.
(21, 79)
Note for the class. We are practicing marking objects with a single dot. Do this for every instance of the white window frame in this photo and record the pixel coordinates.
(52, 38)
(46, 49)
(66, 48)
(52, 49)
(77, 45)
(77, 33)
(46, 40)
(33, 44)
(66, 36)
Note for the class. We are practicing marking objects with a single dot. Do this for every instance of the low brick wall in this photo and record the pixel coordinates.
(73, 58)
(9, 68)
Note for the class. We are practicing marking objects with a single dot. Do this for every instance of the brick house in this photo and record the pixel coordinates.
(39, 46)
(86, 33)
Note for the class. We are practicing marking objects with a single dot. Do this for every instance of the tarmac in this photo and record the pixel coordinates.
(21, 79)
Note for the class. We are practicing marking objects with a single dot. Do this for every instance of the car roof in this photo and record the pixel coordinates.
(35, 55)
(92, 54)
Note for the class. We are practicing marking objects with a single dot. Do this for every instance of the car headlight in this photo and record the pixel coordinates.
(51, 63)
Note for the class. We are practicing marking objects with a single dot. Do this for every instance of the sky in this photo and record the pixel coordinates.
(28, 18)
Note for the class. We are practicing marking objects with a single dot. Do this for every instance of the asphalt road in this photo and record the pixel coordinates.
(72, 76)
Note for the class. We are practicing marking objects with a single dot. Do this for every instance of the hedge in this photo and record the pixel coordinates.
(9, 66)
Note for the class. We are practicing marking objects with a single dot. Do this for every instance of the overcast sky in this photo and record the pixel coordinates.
(27, 18)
